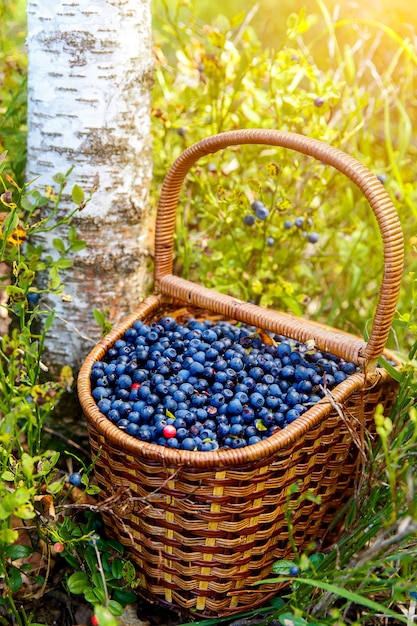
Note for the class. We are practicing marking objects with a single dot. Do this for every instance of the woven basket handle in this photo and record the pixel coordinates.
(385, 213)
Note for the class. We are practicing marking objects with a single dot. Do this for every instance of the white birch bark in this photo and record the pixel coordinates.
(90, 80)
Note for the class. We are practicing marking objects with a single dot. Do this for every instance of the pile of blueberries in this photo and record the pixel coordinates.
(201, 385)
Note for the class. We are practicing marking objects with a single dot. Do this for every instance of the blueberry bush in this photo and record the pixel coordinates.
(315, 249)
(261, 224)
(36, 489)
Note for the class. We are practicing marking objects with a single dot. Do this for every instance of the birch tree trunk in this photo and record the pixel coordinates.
(90, 80)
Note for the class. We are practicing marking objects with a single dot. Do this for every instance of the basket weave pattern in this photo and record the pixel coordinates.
(203, 526)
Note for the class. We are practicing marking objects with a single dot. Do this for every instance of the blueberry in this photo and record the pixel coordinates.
(273, 402)
(132, 429)
(249, 220)
(292, 397)
(256, 373)
(101, 392)
(238, 442)
(217, 400)
(257, 204)
(270, 241)
(204, 446)
(299, 221)
(104, 405)
(288, 224)
(75, 479)
(236, 364)
(318, 102)
(339, 377)
(262, 213)
(144, 433)
(113, 415)
(381, 177)
(134, 417)
(256, 400)
(242, 396)
(284, 349)
(236, 430)
(305, 386)
(313, 237)
(223, 430)
(188, 444)
(292, 415)
(348, 368)
(146, 413)
(33, 297)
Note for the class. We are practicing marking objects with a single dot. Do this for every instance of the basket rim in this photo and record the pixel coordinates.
(217, 458)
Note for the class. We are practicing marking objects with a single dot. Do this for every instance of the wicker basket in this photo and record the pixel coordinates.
(203, 526)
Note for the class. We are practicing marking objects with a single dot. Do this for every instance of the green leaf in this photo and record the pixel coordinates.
(78, 245)
(15, 579)
(104, 616)
(276, 602)
(93, 490)
(99, 317)
(71, 560)
(115, 607)
(59, 245)
(8, 476)
(129, 572)
(18, 551)
(10, 223)
(316, 559)
(124, 597)
(54, 278)
(45, 465)
(49, 321)
(116, 545)
(97, 581)
(77, 195)
(91, 559)
(117, 569)
(25, 567)
(58, 178)
(72, 234)
(27, 465)
(95, 595)
(282, 567)
(63, 264)
(7, 535)
(78, 582)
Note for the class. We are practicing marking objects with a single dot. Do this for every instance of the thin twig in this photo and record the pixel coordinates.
(62, 319)
(61, 436)
(338, 408)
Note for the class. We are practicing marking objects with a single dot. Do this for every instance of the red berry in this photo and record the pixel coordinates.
(135, 386)
(58, 547)
(94, 620)
(169, 431)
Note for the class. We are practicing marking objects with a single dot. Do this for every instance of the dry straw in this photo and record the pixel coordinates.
(203, 526)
